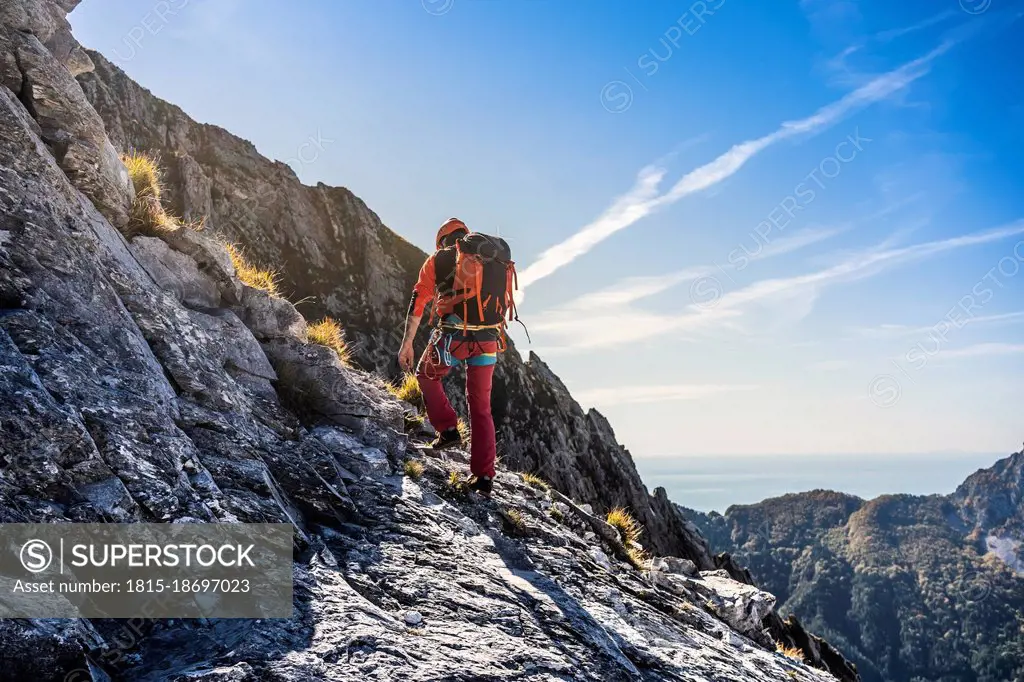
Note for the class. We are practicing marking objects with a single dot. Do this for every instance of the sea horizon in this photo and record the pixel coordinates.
(716, 482)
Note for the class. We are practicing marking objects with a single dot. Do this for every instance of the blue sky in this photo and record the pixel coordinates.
(758, 228)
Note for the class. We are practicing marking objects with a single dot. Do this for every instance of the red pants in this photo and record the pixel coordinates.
(479, 358)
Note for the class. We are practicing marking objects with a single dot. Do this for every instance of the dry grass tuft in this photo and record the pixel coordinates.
(534, 481)
(640, 559)
(516, 521)
(628, 527)
(147, 215)
(630, 530)
(408, 390)
(556, 514)
(790, 652)
(327, 332)
(464, 430)
(457, 485)
(144, 173)
(414, 422)
(413, 469)
(257, 278)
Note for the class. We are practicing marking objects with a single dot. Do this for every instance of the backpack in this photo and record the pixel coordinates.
(481, 283)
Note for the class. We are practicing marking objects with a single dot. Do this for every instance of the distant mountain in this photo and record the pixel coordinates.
(911, 588)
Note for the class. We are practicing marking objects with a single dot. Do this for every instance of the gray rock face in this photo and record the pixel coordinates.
(40, 64)
(175, 272)
(143, 382)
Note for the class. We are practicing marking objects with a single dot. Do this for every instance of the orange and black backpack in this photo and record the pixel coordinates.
(477, 283)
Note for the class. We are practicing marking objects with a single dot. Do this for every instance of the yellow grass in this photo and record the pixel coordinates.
(413, 469)
(628, 527)
(257, 278)
(144, 173)
(408, 389)
(464, 431)
(457, 484)
(534, 481)
(790, 652)
(640, 559)
(147, 216)
(327, 332)
(515, 517)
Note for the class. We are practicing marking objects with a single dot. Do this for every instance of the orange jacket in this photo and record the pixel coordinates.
(425, 289)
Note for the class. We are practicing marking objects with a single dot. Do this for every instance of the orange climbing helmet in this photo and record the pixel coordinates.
(450, 226)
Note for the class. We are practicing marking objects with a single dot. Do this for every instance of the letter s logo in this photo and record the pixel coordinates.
(36, 556)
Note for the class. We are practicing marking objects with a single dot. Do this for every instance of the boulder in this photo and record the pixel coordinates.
(354, 454)
(601, 559)
(176, 272)
(238, 350)
(744, 607)
(211, 257)
(270, 317)
(314, 380)
(674, 565)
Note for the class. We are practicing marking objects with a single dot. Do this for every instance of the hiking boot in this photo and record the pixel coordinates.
(482, 486)
(447, 439)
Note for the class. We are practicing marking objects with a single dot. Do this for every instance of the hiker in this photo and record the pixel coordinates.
(469, 280)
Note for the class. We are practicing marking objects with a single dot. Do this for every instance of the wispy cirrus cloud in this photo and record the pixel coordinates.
(579, 327)
(865, 264)
(629, 395)
(838, 63)
(891, 331)
(984, 350)
(645, 197)
(632, 289)
(842, 74)
(636, 288)
(796, 241)
(894, 33)
(627, 209)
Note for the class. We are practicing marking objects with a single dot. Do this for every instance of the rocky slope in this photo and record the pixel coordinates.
(911, 588)
(140, 380)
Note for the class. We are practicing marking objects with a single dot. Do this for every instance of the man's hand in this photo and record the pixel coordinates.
(406, 357)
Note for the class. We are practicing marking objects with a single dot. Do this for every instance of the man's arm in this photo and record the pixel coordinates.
(422, 294)
(407, 355)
